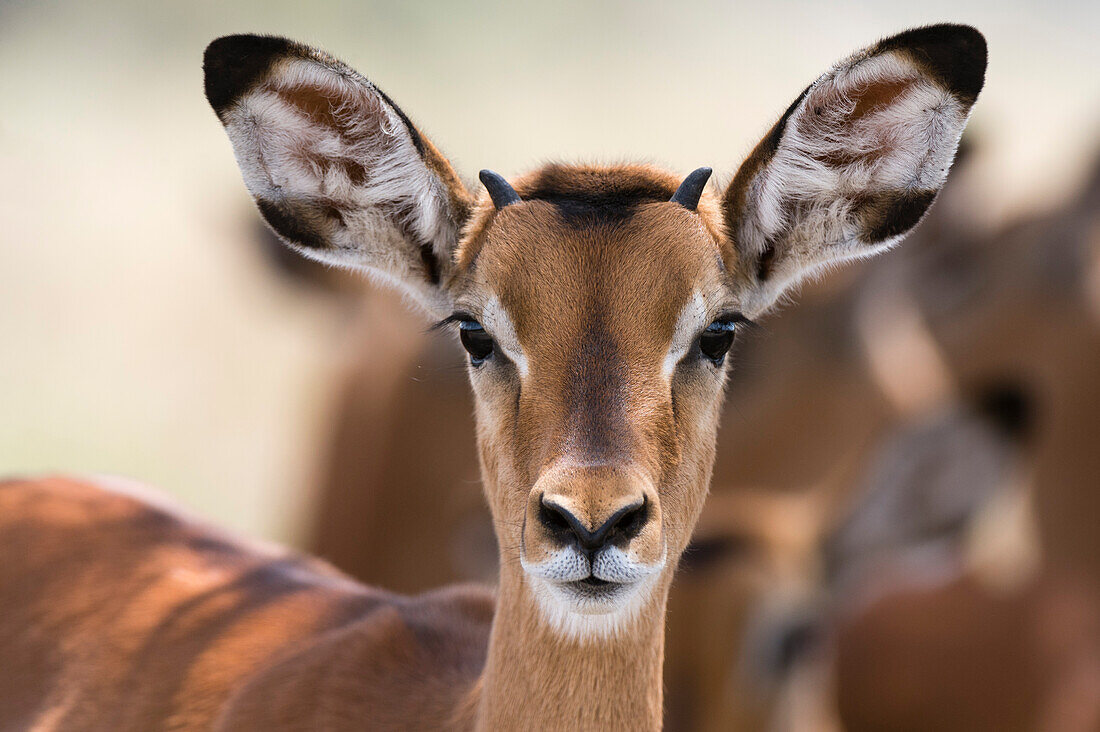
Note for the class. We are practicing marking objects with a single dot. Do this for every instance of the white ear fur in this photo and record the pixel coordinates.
(856, 161)
(336, 169)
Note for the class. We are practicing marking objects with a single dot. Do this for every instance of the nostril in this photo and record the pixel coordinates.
(629, 522)
(563, 525)
(624, 524)
(553, 518)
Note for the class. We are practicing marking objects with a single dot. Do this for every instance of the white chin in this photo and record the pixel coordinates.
(583, 611)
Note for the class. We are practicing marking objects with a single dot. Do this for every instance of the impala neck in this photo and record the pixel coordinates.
(536, 679)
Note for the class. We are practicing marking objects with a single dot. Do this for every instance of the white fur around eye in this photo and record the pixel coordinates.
(496, 320)
(697, 313)
(692, 319)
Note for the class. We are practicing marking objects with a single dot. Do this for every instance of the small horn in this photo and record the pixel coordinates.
(687, 195)
(499, 190)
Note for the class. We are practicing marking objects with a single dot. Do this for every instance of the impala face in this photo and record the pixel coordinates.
(597, 304)
(597, 314)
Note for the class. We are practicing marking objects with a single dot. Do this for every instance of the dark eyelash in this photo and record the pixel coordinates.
(459, 316)
(734, 317)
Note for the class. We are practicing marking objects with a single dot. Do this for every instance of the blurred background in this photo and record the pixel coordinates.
(907, 465)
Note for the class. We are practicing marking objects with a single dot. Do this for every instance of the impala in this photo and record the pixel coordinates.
(597, 305)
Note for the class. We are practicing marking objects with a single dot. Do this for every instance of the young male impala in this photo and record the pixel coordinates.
(597, 305)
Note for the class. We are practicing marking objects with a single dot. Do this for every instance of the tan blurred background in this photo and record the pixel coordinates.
(143, 334)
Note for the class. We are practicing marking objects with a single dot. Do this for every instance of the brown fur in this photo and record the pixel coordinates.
(122, 616)
(974, 658)
(1018, 306)
(636, 431)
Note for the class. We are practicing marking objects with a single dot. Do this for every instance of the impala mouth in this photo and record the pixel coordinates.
(591, 606)
(593, 587)
(593, 594)
(594, 581)
(590, 595)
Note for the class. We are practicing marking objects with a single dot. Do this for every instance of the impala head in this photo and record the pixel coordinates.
(597, 304)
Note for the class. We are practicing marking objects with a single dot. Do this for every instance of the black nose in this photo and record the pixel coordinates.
(624, 524)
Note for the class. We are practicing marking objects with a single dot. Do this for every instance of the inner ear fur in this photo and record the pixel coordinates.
(855, 162)
(337, 170)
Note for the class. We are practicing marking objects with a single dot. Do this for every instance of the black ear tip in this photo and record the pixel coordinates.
(500, 191)
(957, 54)
(234, 64)
(962, 37)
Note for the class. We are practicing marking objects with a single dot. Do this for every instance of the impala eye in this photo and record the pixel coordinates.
(715, 341)
(475, 340)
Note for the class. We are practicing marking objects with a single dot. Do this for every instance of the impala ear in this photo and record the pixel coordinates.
(856, 161)
(336, 169)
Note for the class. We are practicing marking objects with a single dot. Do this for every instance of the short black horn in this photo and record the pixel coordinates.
(687, 195)
(499, 190)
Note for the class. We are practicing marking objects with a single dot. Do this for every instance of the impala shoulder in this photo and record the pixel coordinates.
(410, 658)
(61, 499)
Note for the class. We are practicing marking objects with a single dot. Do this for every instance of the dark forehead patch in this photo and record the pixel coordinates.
(590, 196)
(594, 391)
